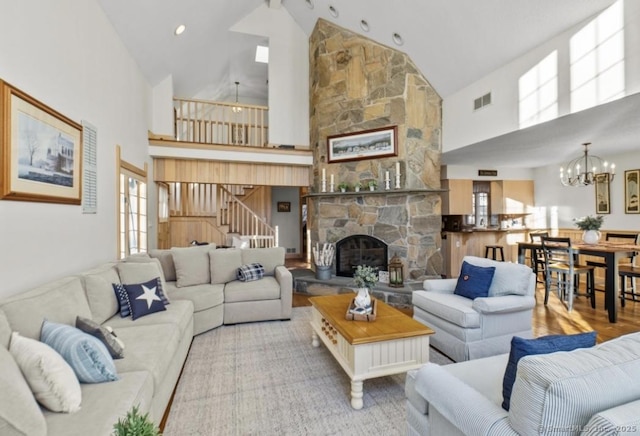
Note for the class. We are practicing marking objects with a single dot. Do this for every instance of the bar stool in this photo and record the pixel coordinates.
(494, 249)
(625, 271)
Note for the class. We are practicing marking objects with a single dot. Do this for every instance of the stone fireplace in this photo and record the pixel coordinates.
(357, 84)
(360, 250)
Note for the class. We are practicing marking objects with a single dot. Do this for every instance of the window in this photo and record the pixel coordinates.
(597, 60)
(132, 209)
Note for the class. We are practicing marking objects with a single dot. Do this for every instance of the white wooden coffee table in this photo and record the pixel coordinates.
(392, 344)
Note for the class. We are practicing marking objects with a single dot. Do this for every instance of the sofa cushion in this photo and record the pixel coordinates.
(58, 301)
(202, 296)
(570, 387)
(192, 265)
(266, 288)
(166, 261)
(521, 347)
(224, 264)
(454, 308)
(270, 258)
(97, 286)
(104, 334)
(19, 412)
(87, 356)
(617, 420)
(103, 404)
(50, 378)
(474, 281)
(178, 313)
(144, 298)
(133, 273)
(509, 278)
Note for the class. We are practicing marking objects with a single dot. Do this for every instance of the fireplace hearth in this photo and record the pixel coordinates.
(360, 250)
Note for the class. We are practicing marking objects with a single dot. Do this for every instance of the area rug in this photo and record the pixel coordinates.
(266, 379)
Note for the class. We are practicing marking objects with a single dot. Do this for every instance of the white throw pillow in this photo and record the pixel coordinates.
(51, 379)
(192, 265)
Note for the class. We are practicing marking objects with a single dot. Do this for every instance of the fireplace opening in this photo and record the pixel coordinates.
(360, 250)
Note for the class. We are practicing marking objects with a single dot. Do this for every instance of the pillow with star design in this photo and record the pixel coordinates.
(144, 298)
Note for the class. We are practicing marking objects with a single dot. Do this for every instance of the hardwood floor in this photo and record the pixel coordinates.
(554, 318)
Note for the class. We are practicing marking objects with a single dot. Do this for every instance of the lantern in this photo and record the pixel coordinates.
(396, 279)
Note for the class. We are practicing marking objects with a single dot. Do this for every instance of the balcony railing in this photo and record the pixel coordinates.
(212, 122)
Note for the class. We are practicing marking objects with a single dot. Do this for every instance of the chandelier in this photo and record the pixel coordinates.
(586, 170)
(237, 108)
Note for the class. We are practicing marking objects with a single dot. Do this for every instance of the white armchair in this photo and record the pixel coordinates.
(469, 329)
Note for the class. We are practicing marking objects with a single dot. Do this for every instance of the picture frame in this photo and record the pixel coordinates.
(284, 206)
(631, 179)
(603, 196)
(367, 144)
(40, 151)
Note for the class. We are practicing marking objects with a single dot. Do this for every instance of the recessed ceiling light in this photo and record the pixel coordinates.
(333, 11)
(364, 25)
(180, 29)
(397, 39)
(310, 4)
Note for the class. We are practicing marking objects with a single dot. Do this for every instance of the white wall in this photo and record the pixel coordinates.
(574, 202)
(471, 173)
(67, 55)
(163, 122)
(288, 223)
(288, 73)
(462, 126)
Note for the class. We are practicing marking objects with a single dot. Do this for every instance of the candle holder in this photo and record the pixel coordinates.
(324, 186)
(387, 185)
(398, 181)
(332, 187)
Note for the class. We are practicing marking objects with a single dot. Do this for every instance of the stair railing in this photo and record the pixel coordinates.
(239, 218)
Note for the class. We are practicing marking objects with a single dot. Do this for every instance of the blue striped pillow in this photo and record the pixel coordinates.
(87, 356)
(123, 300)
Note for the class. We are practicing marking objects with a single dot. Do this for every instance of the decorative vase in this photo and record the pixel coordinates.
(363, 299)
(323, 272)
(357, 188)
(372, 188)
(591, 236)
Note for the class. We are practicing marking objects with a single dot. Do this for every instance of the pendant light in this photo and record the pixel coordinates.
(237, 108)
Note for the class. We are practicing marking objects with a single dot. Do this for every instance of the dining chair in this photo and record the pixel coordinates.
(631, 238)
(560, 258)
(537, 256)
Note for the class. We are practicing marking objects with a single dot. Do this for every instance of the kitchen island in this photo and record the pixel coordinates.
(472, 242)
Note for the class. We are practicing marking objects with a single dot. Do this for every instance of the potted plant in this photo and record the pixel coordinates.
(343, 186)
(357, 186)
(135, 424)
(591, 227)
(373, 184)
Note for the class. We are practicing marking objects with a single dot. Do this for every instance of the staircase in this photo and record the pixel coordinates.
(216, 213)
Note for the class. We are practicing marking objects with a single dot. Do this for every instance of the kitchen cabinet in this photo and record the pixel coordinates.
(458, 200)
(512, 197)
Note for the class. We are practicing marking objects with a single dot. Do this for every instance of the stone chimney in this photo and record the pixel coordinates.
(357, 84)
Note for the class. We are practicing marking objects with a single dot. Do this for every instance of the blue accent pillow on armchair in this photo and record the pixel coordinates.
(543, 345)
(474, 281)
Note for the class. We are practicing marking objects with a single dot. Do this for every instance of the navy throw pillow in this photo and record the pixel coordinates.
(123, 299)
(543, 345)
(144, 298)
(474, 281)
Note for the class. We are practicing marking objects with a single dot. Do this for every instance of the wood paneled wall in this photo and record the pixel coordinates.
(235, 173)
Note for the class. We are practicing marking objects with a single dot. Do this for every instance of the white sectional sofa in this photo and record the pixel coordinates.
(203, 293)
(590, 391)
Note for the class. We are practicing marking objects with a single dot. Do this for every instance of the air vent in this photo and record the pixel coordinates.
(481, 102)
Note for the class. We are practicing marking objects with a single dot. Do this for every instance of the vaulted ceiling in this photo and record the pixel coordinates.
(453, 42)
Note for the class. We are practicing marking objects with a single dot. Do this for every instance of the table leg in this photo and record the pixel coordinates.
(610, 287)
(521, 252)
(356, 394)
(315, 340)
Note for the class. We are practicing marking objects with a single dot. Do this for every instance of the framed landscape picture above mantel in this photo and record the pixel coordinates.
(368, 144)
(631, 178)
(40, 149)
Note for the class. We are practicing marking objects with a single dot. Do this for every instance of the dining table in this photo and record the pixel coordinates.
(610, 251)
